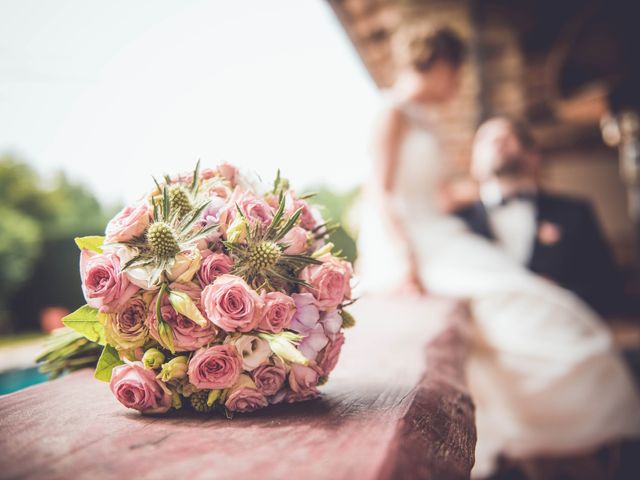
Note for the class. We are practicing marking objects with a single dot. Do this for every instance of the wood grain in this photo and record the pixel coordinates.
(395, 407)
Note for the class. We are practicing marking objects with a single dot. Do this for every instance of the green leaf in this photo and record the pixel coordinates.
(328, 247)
(276, 182)
(347, 319)
(93, 243)
(289, 225)
(213, 397)
(309, 195)
(196, 175)
(203, 233)
(301, 259)
(195, 214)
(86, 322)
(156, 210)
(277, 217)
(165, 202)
(106, 363)
(133, 261)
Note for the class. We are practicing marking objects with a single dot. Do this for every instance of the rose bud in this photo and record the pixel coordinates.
(174, 369)
(153, 358)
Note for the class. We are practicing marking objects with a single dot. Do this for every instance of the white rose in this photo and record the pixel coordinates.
(254, 351)
(140, 276)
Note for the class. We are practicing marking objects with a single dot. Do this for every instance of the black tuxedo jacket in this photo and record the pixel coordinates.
(580, 259)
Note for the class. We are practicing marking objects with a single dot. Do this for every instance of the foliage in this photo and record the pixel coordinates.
(20, 244)
(34, 213)
(109, 359)
(86, 321)
(21, 190)
(92, 243)
(336, 206)
(67, 351)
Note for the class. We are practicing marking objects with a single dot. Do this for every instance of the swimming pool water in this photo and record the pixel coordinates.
(13, 380)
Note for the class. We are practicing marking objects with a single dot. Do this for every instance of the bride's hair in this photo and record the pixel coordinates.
(420, 46)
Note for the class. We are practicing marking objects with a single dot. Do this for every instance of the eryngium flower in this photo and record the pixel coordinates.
(162, 241)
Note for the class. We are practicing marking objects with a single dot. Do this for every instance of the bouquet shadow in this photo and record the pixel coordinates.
(333, 409)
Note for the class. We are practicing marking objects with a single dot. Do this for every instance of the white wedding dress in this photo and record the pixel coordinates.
(543, 372)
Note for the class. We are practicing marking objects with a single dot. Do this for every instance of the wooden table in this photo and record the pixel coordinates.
(395, 407)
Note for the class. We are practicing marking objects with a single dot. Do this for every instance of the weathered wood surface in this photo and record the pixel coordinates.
(395, 407)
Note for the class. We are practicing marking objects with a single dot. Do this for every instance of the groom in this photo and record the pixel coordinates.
(554, 236)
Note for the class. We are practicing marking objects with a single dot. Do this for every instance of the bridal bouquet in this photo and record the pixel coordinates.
(214, 291)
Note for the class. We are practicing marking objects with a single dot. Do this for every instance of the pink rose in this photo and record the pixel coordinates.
(212, 212)
(306, 315)
(272, 200)
(329, 357)
(218, 191)
(232, 305)
(314, 341)
(207, 173)
(130, 222)
(187, 334)
(183, 178)
(307, 218)
(256, 210)
(126, 329)
(136, 387)
(303, 377)
(269, 378)
(277, 313)
(330, 281)
(228, 172)
(302, 383)
(103, 283)
(301, 396)
(213, 266)
(244, 396)
(215, 367)
(286, 395)
(296, 241)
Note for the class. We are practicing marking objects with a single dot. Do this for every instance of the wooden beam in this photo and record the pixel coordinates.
(395, 407)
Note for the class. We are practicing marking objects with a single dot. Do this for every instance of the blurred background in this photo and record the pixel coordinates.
(95, 97)
(571, 71)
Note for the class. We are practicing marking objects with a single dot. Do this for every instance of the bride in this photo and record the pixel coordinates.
(544, 373)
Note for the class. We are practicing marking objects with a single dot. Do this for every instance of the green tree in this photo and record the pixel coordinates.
(38, 219)
(20, 189)
(20, 244)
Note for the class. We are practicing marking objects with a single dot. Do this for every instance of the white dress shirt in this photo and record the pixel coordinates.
(513, 223)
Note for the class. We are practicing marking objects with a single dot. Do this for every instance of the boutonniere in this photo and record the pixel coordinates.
(549, 233)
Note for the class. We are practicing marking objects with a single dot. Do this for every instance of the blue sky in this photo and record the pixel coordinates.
(113, 92)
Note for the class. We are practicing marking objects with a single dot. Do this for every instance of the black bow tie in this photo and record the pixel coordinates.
(527, 196)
